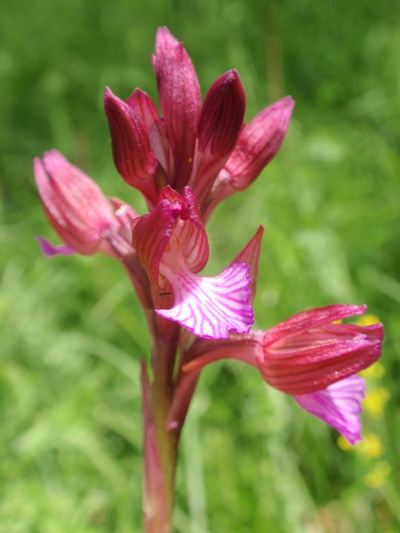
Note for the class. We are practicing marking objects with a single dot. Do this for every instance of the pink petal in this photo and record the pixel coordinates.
(211, 307)
(75, 206)
(222, 115)
(49, 250)
(221, 121)
(309, 351)
(180, 100)
(133, 156)
(172, 231)
(339, 405)
(258, 143)
(141, 102)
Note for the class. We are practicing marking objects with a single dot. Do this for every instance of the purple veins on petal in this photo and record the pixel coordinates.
(339, 405)
(211, 307)
(49, 250)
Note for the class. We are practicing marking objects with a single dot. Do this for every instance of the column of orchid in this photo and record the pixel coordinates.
(184, 163)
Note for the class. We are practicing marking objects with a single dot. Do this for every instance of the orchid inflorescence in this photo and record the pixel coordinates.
(185, 163)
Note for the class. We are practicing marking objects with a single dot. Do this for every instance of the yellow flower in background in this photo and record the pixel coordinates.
(378, 475)
(370, 447)
(376, 371)
(367, 320)
(375, 401)
(344, 445)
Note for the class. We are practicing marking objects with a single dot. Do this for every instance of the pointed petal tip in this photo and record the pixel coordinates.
(222, 115)
(180, 101)
(132, 153)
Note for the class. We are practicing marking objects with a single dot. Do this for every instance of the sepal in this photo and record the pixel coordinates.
(310, 351)
(133, 156)
(141, 103)
(222, 115)
(180, 100)
(258, 143)
(221, 121)
(75, 206)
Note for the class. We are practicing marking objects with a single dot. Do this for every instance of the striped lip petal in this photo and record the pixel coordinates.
(339, 405)
(211, 307)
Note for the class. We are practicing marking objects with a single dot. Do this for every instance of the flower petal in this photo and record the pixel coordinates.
(221, 121)
(222, 115)
(339, 405)
(75, 206)
(307, 352)
(141, 103)
(133, 156)
(180, 100)
(49, 250)
(171, 233)
(211, 307)
(258, 143)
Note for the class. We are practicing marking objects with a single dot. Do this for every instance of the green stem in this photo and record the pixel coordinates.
(163, 359)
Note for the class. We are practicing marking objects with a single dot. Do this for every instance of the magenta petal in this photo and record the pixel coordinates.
(258, 143)
(173, 230)
(132, 153)
(211, 307)
(141, 102)
(339, 405)
(49, 250)
(75, 206)
(222, 115)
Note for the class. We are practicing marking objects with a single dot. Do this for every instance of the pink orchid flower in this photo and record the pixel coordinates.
(172, 245)
(86, 221)
(310, 357)
(81, 215)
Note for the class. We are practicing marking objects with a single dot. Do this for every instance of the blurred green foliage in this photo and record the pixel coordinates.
(72, 332)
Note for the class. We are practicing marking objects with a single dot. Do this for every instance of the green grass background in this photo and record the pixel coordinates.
(71, 329)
